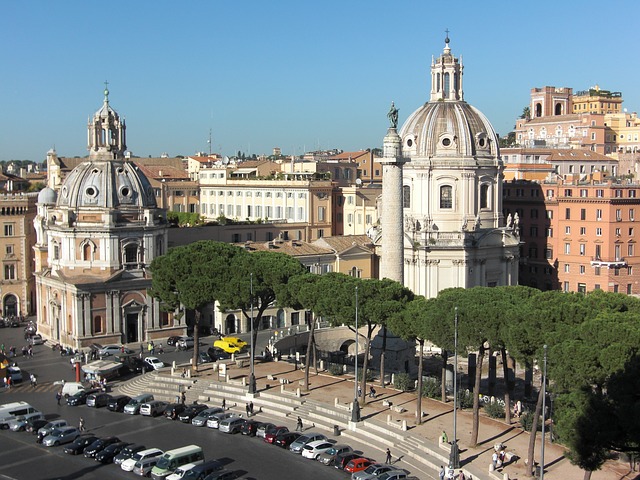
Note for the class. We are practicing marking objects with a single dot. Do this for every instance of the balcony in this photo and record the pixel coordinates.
(618, 262)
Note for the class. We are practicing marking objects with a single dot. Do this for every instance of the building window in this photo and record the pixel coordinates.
(406, 196)
(568, 192)
(566, 268)
(235, 238)
(10, 272)
(582, 288)
(630, 250)
(584, 192)
(583, 231)
(56, 251)
(631, 232)
(567, 248)
(632, 194)
(567, 230)
(565, 287)
(548, 253)
(599, 193)
(320, 233)
(567, 214)
(9, 249)
(550, 214)
(596, 270)
(598, 214)
(549, 232)
(484, 196)
(598, 252)
(533, 252)
(618, 215)
(446, 196)
(583, 249)
(295, 318)
(130, 256)
(598, 232)
(629, 289)
(632, 214)
(617, 232)
(583, 214)
(321, 214)
(533, 231)
(629, 270)
(97, 324)
(582, 269)
(8, 230)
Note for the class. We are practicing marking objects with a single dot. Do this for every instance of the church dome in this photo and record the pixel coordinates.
(106, 184)
(448, 128)
(47, 196)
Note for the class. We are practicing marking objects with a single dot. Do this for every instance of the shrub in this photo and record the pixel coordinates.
(494, 410)
(335, 369)
(465, 399)
(369, 376)
(431, 387)
(402, 381)
(526, 420)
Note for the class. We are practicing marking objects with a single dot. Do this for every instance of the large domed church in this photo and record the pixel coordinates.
(442, 224)
(97, 234)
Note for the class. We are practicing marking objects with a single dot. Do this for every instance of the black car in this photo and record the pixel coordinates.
(172, 341)
(34, 425)
(99, 445)
(285, 439)
(223, 475)
(216, 354)
(191, 411)
(250, 427)
(128, 452)
(117, 403)
(174, 410)
(79, 444)
(80, 397)
(108, 454)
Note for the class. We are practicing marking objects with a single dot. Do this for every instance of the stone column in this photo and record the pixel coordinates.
(391, 221)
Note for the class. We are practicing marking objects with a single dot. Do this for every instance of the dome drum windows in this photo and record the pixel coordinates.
(482, 141)
(446, 197)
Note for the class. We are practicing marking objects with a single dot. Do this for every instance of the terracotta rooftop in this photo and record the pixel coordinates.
(168, 172)
(349, 155)
(340, 244)
(295, 248)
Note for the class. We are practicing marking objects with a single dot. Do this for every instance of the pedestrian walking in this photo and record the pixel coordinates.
(461, 475)
(246, 407)
(251, 407)
(299, 424)
(359, 392)
(224, 404)
(388, 460)
(30, 351)
(160, 348)
(442, 473)
(444, 437)
(183, 397)
(372, 392)
(494, 459)
(58, 397)
(81, 426)
(34, 381)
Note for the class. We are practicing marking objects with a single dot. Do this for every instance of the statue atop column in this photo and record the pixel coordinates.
(393, 116)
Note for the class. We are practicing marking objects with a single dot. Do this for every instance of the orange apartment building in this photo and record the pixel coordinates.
(577, 236)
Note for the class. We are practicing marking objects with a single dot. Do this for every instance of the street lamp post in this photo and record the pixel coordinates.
(355, 412)
(454, 457)
(252, 376)
(544, 408)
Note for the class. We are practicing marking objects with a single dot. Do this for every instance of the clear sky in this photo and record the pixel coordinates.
(297, 74)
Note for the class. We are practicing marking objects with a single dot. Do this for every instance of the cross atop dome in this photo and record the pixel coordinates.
(446, 39)
(106, 92)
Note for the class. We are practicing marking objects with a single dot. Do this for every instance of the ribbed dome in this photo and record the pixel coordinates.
(106, 184)
(47, 196)
(448, 129)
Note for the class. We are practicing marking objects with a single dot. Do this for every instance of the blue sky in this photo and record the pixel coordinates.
(300, 75)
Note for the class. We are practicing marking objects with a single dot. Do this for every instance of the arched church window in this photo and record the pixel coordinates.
(437, 82)
(406, 196)
(446, 85)
(87, 249)
(455, 82)
(484, 196)
(538, 110)
(446, 196)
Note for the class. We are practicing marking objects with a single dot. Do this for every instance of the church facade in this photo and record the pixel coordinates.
(442, 224)
(97, 233)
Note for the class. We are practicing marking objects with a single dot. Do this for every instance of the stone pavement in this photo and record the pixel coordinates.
(326, 407)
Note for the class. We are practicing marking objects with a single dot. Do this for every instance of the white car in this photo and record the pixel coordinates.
(314, 449)
(180, 472)
(36, 339)
(154, 362)
(130, 463)
(185, 343)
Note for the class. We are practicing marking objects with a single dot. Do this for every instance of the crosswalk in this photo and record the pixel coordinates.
(46, 387)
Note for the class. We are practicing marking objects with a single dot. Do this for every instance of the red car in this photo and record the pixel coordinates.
(358, 464)
(270, 436)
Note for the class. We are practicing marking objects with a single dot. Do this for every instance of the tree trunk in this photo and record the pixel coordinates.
(476, 398)
(534, 433)
(307, 357)
(587, 475)
(383, 355)
(420, 366)
(196, 340)
(508, 385)
(445, 359)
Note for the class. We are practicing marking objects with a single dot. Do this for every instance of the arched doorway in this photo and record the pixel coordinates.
(10, 305)
(280, 318)
(230, 324)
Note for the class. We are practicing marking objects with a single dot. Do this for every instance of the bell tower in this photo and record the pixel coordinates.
(107, 138)
(446, 76)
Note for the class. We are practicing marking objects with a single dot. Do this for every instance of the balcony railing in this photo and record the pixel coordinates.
(617, 262)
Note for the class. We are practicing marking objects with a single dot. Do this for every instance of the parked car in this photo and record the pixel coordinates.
(185, 343)
(231, 425)
(153, 408)
(250, 427)
(153, 363)
(128, 452)
(133, 407)
(15, 373)
(191, 411)
(98, 399)
(272, 433)
(360, 464)
(181, 471)
(262, 429)
(79, 444)
(216, 354)
(171, 341)
(312, 450)
(129, 464)
(372, 471)
(80, 397)
(302, 440)
(36, 339)
(341, 460)
(108, 454)
(145, 466)
(223, 475)
(200, 472)
(200, 420)
(214, 420)
(329, 456)
(49, 427)
(393, 475)
(108, 350)
(34, 425)
(173, 410)
(118, 402)
(61, 435)
(20, 423)
(284, 440)
(92, 450)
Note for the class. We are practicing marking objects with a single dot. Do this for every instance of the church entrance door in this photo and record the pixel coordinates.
(132, 327)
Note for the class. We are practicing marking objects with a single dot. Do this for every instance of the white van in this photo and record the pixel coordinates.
(71, 388)
(173, 459)
(133, 407)
(9, 411)
(128, 464)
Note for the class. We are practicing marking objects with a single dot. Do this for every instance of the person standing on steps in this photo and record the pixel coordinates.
(442, 473)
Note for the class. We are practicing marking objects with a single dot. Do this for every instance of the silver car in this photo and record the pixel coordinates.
(61, 435)
(214, 420)
(200, 420)
(372, 472)
(296, 447)
(49, 427)
(19, 424)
